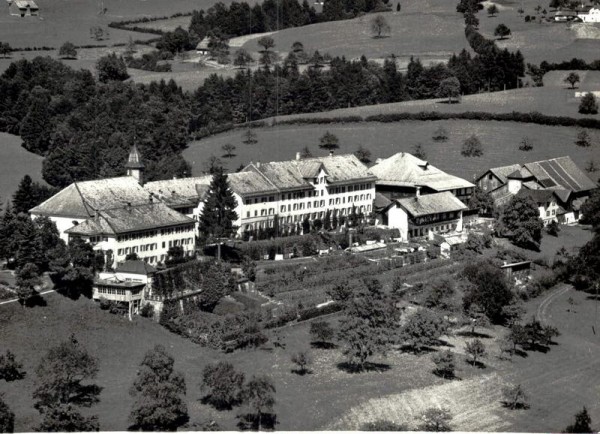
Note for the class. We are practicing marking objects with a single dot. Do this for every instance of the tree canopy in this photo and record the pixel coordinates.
(218, 214)
(520, 221)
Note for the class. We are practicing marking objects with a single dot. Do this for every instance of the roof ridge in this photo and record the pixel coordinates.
(85, 203)
(264, 176)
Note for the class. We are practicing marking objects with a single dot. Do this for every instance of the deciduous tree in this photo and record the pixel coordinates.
(583, 139)
(321, 332)
(223, 384)
(158, 393)
(475, 349)
(513, 396)
(7, 417)
(301, 359)
(588, 104)
(583, 423)
(329, 141)
(444, 364)
(10, 368)
(488, 290)
(472, 147)
(67, 51)
(436, 419)
(492, 10)
(259, 396)
(379, 26)
(520, 221)
(572, 79)
(111, 68)
(449, 88)
(423, 329)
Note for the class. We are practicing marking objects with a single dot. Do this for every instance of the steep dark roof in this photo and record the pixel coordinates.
(539, 196)
(561, 172)
(181, 191)
(431, 204)
(136, 267)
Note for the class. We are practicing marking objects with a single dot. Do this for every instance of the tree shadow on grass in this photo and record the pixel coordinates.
(249, 422)
(444, 343)
(36, 301)
(515, 406)
(445, 101)
(446, 375)
(476, 364)
(538, 348)
(302, 372)
(353, 368)
(471, 334)
(219, 405)
(323, 345)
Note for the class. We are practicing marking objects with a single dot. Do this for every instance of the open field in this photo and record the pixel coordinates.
(500, 142)
(16, 162)
(352, 38)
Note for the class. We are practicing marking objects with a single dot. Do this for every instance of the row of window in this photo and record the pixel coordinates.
(436, 217)
(313, 216)
(423, 231)
(462, 191)
(303, 194)
(154, 246)
(98, 239)
(111, 291)
(149, 234)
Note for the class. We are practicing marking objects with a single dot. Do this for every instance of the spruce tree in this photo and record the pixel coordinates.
(7, 241)
(218, 213)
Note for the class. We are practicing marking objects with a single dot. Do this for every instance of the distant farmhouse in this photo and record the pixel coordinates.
(557, 185)
(23, 8)
(590, 15)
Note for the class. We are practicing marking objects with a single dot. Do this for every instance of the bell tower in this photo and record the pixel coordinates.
(135, 166)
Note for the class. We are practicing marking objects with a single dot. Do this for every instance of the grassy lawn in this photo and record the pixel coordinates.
(16, 162)
(352, 38)
(500, 141)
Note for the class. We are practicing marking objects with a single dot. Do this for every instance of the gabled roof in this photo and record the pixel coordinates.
(381, 201)
(296, 174)
(126, 219)
(82, 199)
(539, 196)
(521, 174)
(250, 182)
(135, 267)
(180, 192)
(431, 204)
(502, 172)
(562, 172)
(406, 170)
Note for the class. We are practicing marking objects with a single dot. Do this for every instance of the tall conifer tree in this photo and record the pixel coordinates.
(219, 213)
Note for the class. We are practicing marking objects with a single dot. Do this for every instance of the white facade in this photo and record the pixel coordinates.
(398, 218)
(293, 207)
(593, 16)
(151, 245)
(62, 224)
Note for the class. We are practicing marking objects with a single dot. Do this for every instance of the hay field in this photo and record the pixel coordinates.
(16, 162)
(500, 142)
(430, 30)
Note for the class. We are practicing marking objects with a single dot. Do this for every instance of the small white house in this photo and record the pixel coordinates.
(128, 283)
(592, 16)
(23, 8)
(424, 216)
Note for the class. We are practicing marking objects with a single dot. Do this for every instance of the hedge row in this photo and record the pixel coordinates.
(530, 117)
(124, 25)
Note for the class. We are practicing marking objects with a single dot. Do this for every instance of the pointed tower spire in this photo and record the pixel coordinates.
(135, 166)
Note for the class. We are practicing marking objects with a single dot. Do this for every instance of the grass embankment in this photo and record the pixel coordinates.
(500, 142)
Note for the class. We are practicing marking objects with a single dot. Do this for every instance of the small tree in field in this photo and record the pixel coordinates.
(492, 10)
(502, 31)
(228, 148)
(5, 49)
(449, 88)
(572, 79)
(321, 333)
(583, 139)
(249, 137)
(242, 58)
(302, 359)
(440, 134)
(259, 395)
(513, 397)
(444, 364)
(157, 391)
(526, 144)
(7, 417)
(223, 383)
(588, 104)
(419, 152)
(379, 26)
(583, 423)
(475, 349)
(472, 147)
(67, 51)
(363, 154)
(436, 420)
(329, 141)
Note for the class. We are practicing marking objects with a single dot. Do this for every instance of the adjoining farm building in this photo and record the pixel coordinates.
(590, 15)
(23, 8)
(424, 216)
(401, 174)
(557, 185)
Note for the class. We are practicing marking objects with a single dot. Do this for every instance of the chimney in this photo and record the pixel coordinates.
(151, 197)
(174, 177)
(418, 193)
(298, 157)
(258, 164)
(426, 165)
(331, 153)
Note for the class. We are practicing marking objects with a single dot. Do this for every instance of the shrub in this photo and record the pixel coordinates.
(526, 144)
(302, 359)
(383, 425)
(10, 368)
(321, 332)
(475, 349)
(436, 419)
(513, 397)
(147, 310)
(472, 147)
(444, 364)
